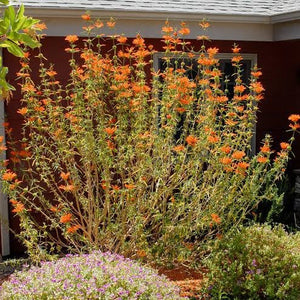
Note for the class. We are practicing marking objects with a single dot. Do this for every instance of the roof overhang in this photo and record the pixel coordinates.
(224, 26)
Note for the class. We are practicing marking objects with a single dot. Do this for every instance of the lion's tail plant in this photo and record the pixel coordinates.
(144, 162)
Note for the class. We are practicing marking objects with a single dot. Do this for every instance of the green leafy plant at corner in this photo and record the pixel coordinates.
(255, 262)
(16, 30)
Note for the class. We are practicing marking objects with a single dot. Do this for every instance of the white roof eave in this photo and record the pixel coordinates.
(48, 12)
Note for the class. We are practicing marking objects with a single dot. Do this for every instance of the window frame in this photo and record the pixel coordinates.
(252, 57)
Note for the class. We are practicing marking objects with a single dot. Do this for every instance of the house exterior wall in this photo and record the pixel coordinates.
(280, 64)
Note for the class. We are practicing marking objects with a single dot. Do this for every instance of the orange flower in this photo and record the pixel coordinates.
(230, 122)
(24, 153)
(167, 29)
(256, 74)
(213, 139)
(110, 130)
(216, 218)
(98, 24)
(85, 17)
(284, 146)
(19, 207)
(180, 109)
(184, 31)
(22, 111)
(40, 26)
(226, 160)
(55, 209)
(238, 154)
(257, 87)
(203, 38)
(51, 73)
(67, 188)
(65, 176)
(239, 89)
(207, 61)
(179, 148)
(236, 59)
(141, 253)
(129, 186)
(262, 159)
(122, 39)
(115, 187)
(212, 51)
(243, 165)
(13, 201)
(110, 145)
(294, 126)
(71, 38)
(73, 229)
(294, 118)
(204, 25)
(111, 23)
(9, 176)
(226, 149)
(265, 149)
(191, 140)
(236, 49)
(138, 41)
(65, 218)
(203, 81)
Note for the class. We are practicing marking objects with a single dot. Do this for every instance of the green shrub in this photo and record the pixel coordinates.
(90, 276)
(255, 262)
(128, 159)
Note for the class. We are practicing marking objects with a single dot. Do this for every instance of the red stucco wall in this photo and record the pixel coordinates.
(280, 63)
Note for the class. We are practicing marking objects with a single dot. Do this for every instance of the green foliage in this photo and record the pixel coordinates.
(16, 31)
(255, 262)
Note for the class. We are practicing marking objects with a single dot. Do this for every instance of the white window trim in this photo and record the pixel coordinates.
(247, 56)
(4, 216)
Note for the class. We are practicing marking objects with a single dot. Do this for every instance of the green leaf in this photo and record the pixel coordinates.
(28, 40)
(20, 12)
(20, 19)
(29, 23)
(3, 27)
(9, 14)
(12, 48)
(5, 2)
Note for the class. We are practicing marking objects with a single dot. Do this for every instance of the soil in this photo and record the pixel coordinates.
(189, 281)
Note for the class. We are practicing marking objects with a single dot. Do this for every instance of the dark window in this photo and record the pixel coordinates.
(225, 66)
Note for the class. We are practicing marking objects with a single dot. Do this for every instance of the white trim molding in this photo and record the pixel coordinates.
(63, 21)
(4, 215)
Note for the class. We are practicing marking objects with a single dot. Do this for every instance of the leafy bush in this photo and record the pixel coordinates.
(255, 262)
(128, 159)
(90, 276)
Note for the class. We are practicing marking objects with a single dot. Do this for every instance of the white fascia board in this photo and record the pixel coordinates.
(147, 15)
(150, 28)
(287, 17)
(287, 31)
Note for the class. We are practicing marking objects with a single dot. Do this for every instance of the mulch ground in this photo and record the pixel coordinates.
(188, 281)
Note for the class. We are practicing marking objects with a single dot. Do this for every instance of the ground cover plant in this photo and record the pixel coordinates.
(146, 163)
(255, 262)
(90, 276)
